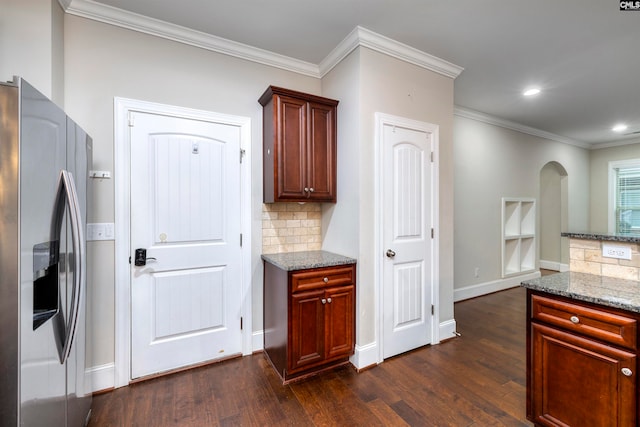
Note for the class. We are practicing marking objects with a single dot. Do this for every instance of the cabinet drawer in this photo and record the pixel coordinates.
(612, 328)
(320, 278)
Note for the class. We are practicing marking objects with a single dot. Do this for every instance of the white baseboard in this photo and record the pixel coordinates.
(553, 265)
(369, 354)
(489, 287)
(101, 377)
(257, 341)
(365, 355)
(447, 330)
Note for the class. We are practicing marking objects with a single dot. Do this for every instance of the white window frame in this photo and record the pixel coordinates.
(613, 165)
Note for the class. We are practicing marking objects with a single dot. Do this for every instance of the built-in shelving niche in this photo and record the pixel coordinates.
(518, 235)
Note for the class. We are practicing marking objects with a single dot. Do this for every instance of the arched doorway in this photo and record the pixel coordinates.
(554, 249)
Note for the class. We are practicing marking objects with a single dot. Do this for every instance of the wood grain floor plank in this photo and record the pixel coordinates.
(475, 380)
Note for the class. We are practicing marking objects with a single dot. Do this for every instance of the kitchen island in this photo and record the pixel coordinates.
(582, 337)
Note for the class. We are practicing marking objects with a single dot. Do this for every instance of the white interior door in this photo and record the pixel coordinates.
(407, 241)
(185, 211)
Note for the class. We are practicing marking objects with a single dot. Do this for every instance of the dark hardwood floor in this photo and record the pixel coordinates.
(477, 379)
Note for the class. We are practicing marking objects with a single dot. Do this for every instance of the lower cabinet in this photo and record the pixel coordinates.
(582, 364)
(316, 331)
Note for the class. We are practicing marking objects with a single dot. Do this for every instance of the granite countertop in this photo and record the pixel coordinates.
(629, 238)
(603, 290)
(290, 261)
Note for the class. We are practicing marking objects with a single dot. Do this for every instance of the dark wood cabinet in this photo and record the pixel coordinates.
(299, 146)
(309, 319)
(582, 362)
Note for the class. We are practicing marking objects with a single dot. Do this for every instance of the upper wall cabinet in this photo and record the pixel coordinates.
(299, 151)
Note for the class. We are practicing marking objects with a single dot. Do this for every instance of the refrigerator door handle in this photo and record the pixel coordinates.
(67, 195)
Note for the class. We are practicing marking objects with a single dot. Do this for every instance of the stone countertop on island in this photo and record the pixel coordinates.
(291, 261)
(629, 238)
(603, 290)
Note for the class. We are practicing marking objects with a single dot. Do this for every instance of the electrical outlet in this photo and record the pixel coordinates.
(619, 252)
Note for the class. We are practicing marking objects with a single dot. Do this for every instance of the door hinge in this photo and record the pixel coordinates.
(129, 260)
(433, 309)
(241, 323)
(242, 153)
(131, 120)
(432, 157)
(240, 239)
(432, 233)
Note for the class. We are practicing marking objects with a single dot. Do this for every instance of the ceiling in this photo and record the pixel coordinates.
(583, 54)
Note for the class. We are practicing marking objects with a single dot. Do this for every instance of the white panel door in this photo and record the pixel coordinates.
(407, 241)
(185, 211)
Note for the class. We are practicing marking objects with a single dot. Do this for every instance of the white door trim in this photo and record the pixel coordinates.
(382, 120)
(122, 108)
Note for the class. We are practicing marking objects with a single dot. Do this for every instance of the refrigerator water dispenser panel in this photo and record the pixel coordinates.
(45, 282)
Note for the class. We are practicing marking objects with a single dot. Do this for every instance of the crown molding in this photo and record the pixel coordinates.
(133, 21)
(507, 124)
(362, 37)
(358, 37)
(618, 143)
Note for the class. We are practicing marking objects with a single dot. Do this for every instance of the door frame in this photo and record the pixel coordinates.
(122, 108)
(382, 120)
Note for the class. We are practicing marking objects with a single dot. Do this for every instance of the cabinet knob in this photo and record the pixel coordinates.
(329, 300)
(311, 189)
(325, 280)
(627, 372)
(323, 301)
(575, 319)
(306, 189)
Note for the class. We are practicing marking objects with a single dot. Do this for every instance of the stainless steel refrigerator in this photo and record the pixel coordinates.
(44, 168)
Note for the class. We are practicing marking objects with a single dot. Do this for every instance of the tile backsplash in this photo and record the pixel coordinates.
(585, 256)
(291, 227)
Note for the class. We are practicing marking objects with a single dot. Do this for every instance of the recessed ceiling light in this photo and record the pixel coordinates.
(620, 127)
(531, 91)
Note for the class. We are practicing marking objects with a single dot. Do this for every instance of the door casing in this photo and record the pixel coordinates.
(122, 108)
(381, 120)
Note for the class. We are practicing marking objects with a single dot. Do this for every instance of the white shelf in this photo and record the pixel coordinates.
(518, 235)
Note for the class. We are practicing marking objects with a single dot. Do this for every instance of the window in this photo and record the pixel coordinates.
(624, 205)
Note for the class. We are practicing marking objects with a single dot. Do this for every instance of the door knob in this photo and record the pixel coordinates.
(141, 257)
(390, 253)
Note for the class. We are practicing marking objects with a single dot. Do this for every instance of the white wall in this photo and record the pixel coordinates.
(492, 162)
(103, 62)
(31, 33)
(599, 181)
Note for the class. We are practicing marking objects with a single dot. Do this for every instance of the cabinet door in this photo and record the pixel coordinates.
(321, 153)
(306, 342)
(580, 382)
(339, 321)
(291, 152)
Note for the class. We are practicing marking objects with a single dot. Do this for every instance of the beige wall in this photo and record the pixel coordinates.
(600, 180)
(552, 207)
(103, 62)
(387, 85)
(492, 162)
(31, 44)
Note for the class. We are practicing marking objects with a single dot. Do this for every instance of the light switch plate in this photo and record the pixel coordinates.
(100, 231)
(619, 252)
